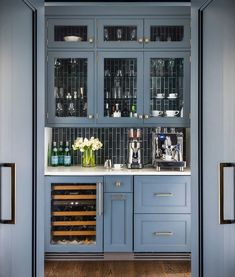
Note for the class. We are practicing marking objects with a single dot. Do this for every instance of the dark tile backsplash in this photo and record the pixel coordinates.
(115, 143)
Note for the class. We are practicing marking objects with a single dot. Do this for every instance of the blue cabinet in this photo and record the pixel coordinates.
(167, 32)
(162, 194)
(118, 222)
(74, 214)
(139, 87)
(120, 87)
(120, 33)
(118, 214)
(162, 233)
(70, 33)
(167, 88)
(70, 90)
(162, 218)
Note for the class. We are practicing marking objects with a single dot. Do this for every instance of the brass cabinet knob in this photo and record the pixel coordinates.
(146, 116)
(91, 40)
(90, 116)
(146, 40)
(140, 40)
(118, 184)
(140, 116)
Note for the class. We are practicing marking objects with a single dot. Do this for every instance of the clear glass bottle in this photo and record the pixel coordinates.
(107, 112)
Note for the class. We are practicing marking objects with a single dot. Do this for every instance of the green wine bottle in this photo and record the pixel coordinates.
(67, 155)
(54, 155)
(61, 154)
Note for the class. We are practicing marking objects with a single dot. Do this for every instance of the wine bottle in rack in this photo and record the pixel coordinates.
(107, 112)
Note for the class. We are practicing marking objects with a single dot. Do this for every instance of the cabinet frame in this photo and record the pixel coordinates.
(100, 92)
(111, 214)
(49, 247)
(168, 121)
(52, 22)
(185, 22)
(119, 22)
(51, 107)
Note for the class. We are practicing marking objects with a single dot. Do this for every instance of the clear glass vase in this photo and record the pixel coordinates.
(88, 158)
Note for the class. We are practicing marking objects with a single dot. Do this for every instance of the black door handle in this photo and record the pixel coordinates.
(221, 193)
(13, 193)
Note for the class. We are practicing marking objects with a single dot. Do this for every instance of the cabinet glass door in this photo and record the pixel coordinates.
(76, 214)
(70, 88)
(167, 88)
(120, 83)
(70, 33)
(120, 33)
(167, 33)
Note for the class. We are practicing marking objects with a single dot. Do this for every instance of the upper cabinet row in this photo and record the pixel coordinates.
(119, 33)
(104, 77)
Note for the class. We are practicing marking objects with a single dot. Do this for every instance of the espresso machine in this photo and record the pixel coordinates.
(134, 149)
(167, 149)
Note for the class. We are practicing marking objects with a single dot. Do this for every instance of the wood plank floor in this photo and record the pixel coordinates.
(118, 269)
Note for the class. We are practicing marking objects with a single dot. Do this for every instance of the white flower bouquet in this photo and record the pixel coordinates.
(87, 147)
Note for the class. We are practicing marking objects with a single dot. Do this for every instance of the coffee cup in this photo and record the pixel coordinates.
(171, 113)
(160, 95)
(157, 113)
(173, 95)
(117, 166)
(167, 157)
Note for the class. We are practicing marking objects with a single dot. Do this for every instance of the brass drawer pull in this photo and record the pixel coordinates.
(163, 234)
(163, 194)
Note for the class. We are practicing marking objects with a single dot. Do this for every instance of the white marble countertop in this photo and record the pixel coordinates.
(101, 171)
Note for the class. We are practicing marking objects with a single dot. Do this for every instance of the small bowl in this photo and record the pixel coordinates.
(72, 38)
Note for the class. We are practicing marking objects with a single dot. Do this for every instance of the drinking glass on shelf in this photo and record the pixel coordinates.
(119, 34)
(107, 73)
(106, 34)
(119, 73)
(71, 109)
(133, 34)
(59, 109)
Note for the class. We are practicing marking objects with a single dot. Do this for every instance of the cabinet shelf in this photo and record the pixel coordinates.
(69, 213)
(62, 197)
(73, 233)
(73, 223)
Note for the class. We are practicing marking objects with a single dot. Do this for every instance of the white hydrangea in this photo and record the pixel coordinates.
(84, 144)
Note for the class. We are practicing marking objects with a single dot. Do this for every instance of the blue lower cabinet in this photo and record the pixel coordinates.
(162, 194)
(162, 233)
(118, 222)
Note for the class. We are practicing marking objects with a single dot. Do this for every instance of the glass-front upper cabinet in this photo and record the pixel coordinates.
(167, 88)
(70, 88)
(120, 85)
(167, 33)
(120, 33)
(70, 33)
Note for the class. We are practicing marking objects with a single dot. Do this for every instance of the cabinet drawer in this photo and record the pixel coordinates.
(118, 184)
(162, 194)
(162, 233)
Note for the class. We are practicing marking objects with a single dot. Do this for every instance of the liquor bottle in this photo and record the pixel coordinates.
(133, 112)
(107, 113)
(117, 112)
(67, 155)
(125, 111)
(61, 154)
(54, 155)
